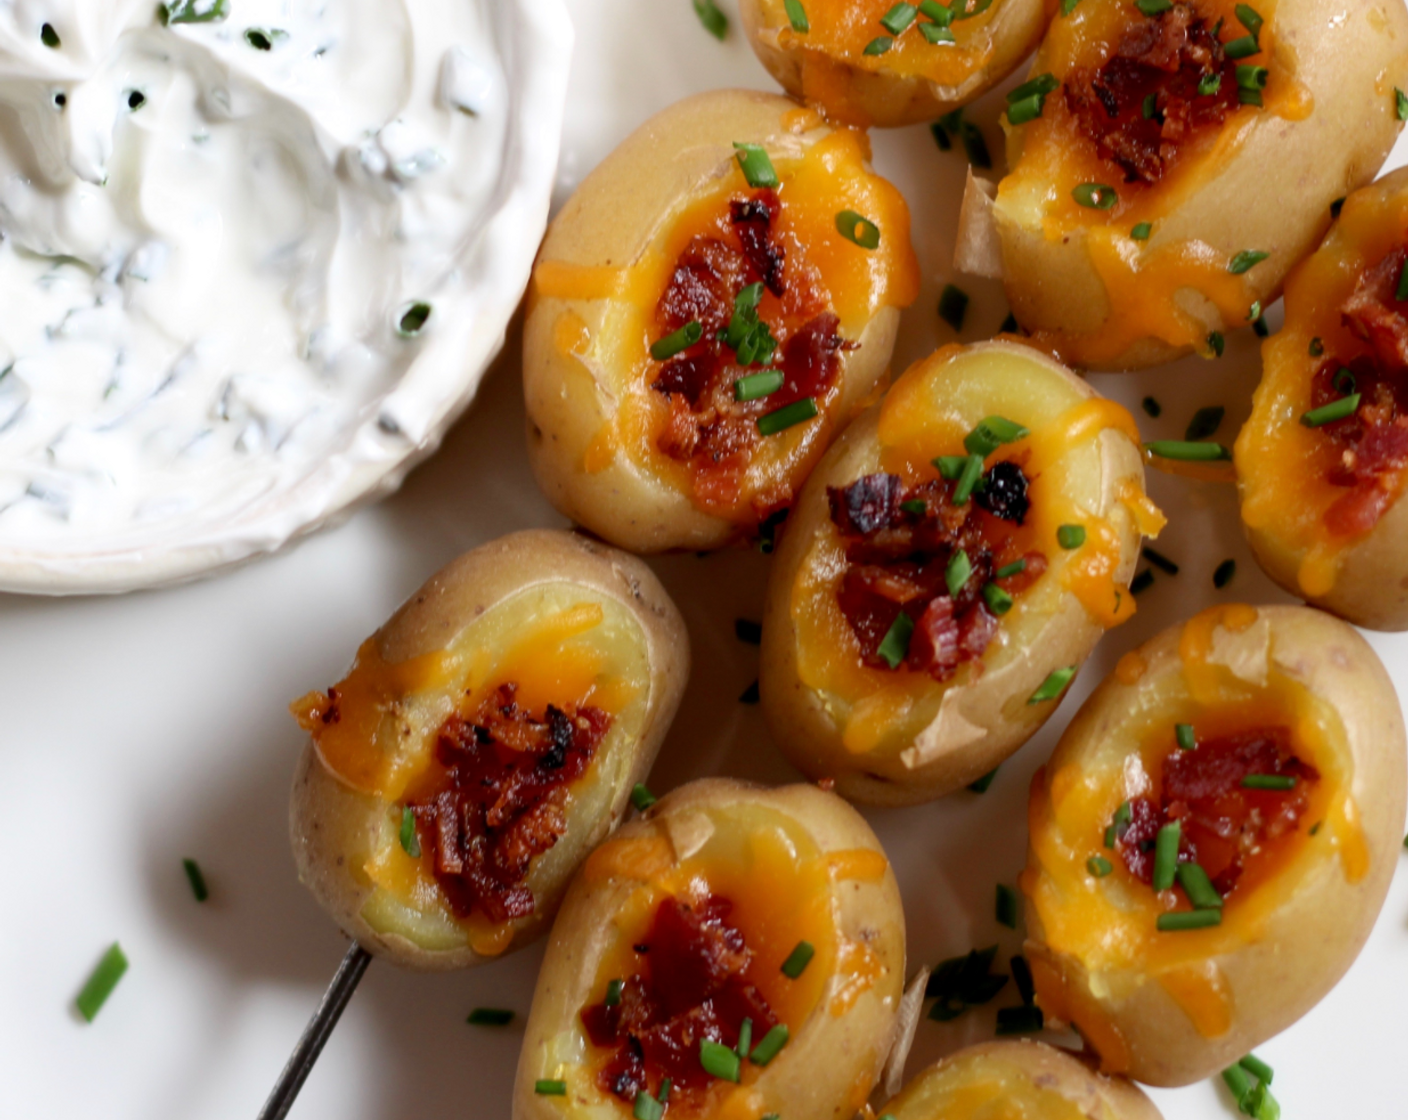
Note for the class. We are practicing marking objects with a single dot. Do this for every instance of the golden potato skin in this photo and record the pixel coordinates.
(328, 818)
(1060, 632)
(1047, 1069)
(880, 96)
(612, 222)
(1307, 941)
(829, 1065)
(1272, 193)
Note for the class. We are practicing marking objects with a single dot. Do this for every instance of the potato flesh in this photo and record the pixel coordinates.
(981, 1087)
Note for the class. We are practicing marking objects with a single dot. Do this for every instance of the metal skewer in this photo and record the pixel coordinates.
(316, 1033)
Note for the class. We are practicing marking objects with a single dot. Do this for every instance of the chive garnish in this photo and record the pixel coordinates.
(1020, 1020)
(719, 1061)
(613, 992)
(549, 1088)
(1186, 451)
(1329, 413)
(1198, 887)
(1317, 348)
(410, 842)
(1186, 736)
(860, 230)
(758, 385)
(1099, 866)
(101, 982)
(992, 432)
(797, 16)
(647, 1107)
(951, 467)
(714, 21)
(1223, 574)
(1118, 824)
(982, 784)
(491, 1017)
(1027, 101)
(1053, 686)
(193, 11)
(1257, 1068)
(1260, 328)
(941, 136)
(1344, 382)
(1005, 909)
(196, 878)
(1245, 260)
(1152, 408)
(894, 647)
(1269, 781)
(998, 601)
(1216, 343)
(641, 797)
(1244, 47)
(917, 506)
(677, 341)
(898, 18)
(1401, 293)
(953, 306)
(962, 982)
(1209, 84)
(262, 40)
(1153, 7)
(413, 320)
(745, 1037)
(746, 630)
(49, 37)
(1141, 582)
(1252, 79)
(1205, 423)
(1007, 571)
(936, 33)
(797, 960)
(878, 46)
(1400, 104)
(959, 569)
(1142, 231)
(1149, 108)
(1249, 18)
(1022, 977)
(136, 99)
(788, 416)
(750, 695)
(757, 167)
(1166, 855)
(769, 1046)
(1237, 1082)
(1068, 6)
(1070, 536)
(1160, 561)
(1178, 921)
(968, 480)
(1096, 196)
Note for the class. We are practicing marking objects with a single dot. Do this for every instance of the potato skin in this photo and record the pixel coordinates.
(328, 818)
(1062, 634)
(1097, 1096)
(1272, 193)
(1310, 939)
(877, 97)
(612, 221)
(831, 1062)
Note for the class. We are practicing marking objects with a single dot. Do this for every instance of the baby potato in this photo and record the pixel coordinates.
(949, 565)
(485, 740)
(1167, 171)
(715, 302)
(1213, 839)
(1320, 463)
(1035, 1081)
(728, 920)
(862, 65)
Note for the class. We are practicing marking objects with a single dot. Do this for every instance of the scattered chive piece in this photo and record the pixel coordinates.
(968, 480)
(719, 1061)
(1007, 571)
(936, 11)
(974, 146)
(1096, 196)
(1099, 866)
(1152, 408)
(797, 16)
(410, 842)
(1224, 573)
(963, 982)
(665, 1090)
(951, 467)
(49, 37)
(1021, 1020)
(1209, 84)
(101, 982)
(1260, 327)
(758, 385)
(490, 1017)
(1185, 451)
(136, 99)
(613, 992)
(1245, 260)
(1026, 110)
(768, 1047)
(1337, 206)
(797, 960)
(1269, 781)
(413, 320)
(1244, 47)
(998, 601)
(1261, 1105)
(1142, 231)
(1254, 312)
(1216, 343)
(898, 18)
(789, 415)
(1252, 77)
(855, 228)
(982, 784)
(677, 342)
(1006, 906)
(262, 40)
(936, 33)
(714, 21)
(746, 630)
(991, 433)
(1186, 736)
(1166, 855)
(1027, 101)
(1249, 18)
(1317, 348)
(917, 506)
(1070, 536)
(1329, 413)
(1205, 423)
(641, 797)
(1150, 108)
(647, 1107)
(1400, 104)
(941, 137)
(1052, 687)
(1401, 293)
(186, 11)
(1237, 1082)
(745, 1037)
(1022, 977)
(1259, 1069)
(1141, 582)
(1198, 887)
(1160, 561)
(757, 167)
(1153, 7)
(547, 1088)
(879, 45)
(197, 879)
(894, 647)
(1068, 6)
(750, 694)
(959, 569)
(1180, 920)
(953, 306)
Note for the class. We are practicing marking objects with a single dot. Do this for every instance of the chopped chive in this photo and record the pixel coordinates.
(1152, 408)
(1329, 413)
(789, 415)
(1178, 921)
(1166, 855)
(1252, 77)
(959, 569)
(1216, 343)
(1401, 293)
(1186, 451)
(894, 647)
(1237, 1082)
(1027, 101)
(1400, 104)
(1006, 906)
(647, 1107)
(917, 506)
(1141, 582)
(1186, 736)
(1223, 574)
(1209, 84)
(1053, 686)
(1026, 110)
(1070, 536)
(714, 21)
(264, 40)
(1254, 311)
(545, 1087)
(1099, 866)
(1022, 977)
(953, 306)
(1260, 328)
(757, 167)
(1244, 47)
(998, 601)
(951, 467)
(641, 797)
(1142, 231)
(982, 784)
(1205, 423)
(1020, 1020)
(746, 630)
(49, 37)
(878, 46)
(1068, 6)
(1149, 109)
(490, 1017)
(1198, 887)
(897, 20)
(677, 342)
(1042, 84)
(992, 432)
(860, 230)
(975, 147)
(196, 878)
(750, 695)
(1257, 1068)
(745, 1037)
(101, 982)
(769, 1046)
(1153, 7)
(755, 386)
(1249, 18)
(936, 33)
(1245, 260)
(413, 320)
(1317, 348)
(936, 11)
(665, 1090)
(797, 960)
(1096, 196)
(191, 11)
(797, 16)
(410, 842)
(1160, 561)
(941, 137)
(613, 992)
(719, 1061)
(136, 99)
(1261, 1105)
(1007, 571)
(1269, 781)
(968, 480)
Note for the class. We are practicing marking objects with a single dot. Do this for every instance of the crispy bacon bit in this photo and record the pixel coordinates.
(752, 221)
(496, 798)
(1165, 56)
(897, 561)
(691, 984)
(1376, 315)
(1223, 824)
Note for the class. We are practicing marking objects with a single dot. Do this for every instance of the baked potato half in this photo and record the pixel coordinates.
(486, 739)
(951, 562)
(1323, 459)
(727, 921)
(1213, 839)
(865, 63)
(715, 302)
(1035, 1081)
(1167, 170)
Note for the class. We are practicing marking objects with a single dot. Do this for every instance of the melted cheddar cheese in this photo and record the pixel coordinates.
(985, 1087)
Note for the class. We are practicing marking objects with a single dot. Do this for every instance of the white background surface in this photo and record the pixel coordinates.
(136, 731)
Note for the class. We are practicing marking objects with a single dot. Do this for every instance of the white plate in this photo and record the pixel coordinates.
(136, 731)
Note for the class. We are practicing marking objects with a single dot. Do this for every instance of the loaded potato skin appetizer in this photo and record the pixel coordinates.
(736, 952)
(875, 63)
(1213, 839)
(1323, 460)
(1033, 1080)
(1169, 168)
(715, 302)
(485, 740)
(949, 565)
